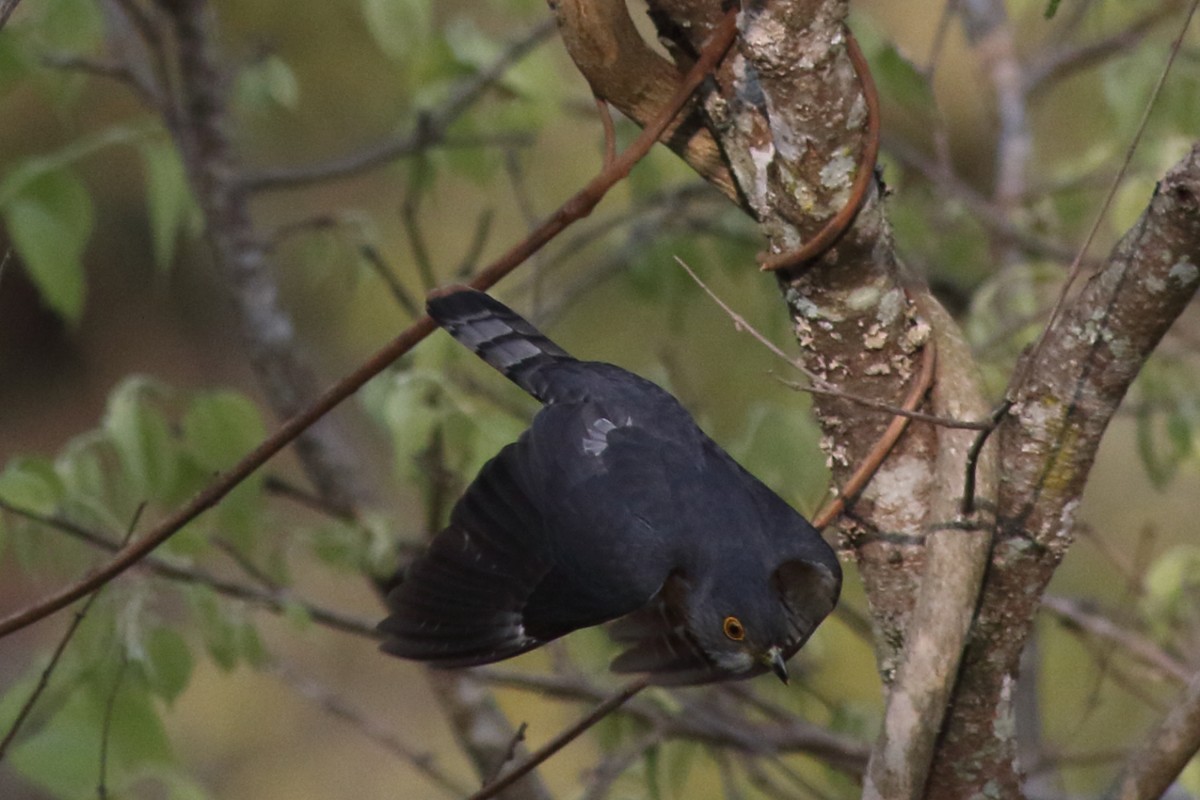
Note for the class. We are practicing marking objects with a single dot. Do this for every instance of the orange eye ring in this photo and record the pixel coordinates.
(734, 629)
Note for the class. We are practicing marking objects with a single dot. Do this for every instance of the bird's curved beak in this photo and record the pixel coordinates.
(774, 659)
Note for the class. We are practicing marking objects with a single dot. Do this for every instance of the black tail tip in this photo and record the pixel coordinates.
(446, 291)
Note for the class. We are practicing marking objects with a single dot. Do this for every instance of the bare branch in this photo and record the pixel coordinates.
(1053, 66)
(277, 602)
(1048, 441)
(1076, 268)
(1153, 767)
(7, 7)
(991, 34)
(430, 130)
(1078, 615)
(333, 705)
(560, 741)
(702, 724)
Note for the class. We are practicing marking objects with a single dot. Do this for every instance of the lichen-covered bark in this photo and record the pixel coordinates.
(1063, 399)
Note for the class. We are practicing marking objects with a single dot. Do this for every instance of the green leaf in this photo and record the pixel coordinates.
(62, 756)
(31, 484)
(143, 440)
(268, 84)
(218, 630)
(169, 201)
(50, 221)
(1051, 9)
(414, 408)
(901, 82)
(1172, 589)
(399, 27)
(221, 427)
(168, 663)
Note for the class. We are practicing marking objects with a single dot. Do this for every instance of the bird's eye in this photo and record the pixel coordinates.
(734, 629)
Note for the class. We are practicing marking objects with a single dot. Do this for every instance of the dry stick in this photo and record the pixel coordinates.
(44, 679)
(574, 209)
(1077, 264)
(836, 227)
(275, 602)
(562, 740)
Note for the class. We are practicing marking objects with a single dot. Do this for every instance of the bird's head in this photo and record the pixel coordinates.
(712, 631)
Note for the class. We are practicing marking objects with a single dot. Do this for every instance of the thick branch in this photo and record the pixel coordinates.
(1047, 445)
(956, 552)
(267, 330)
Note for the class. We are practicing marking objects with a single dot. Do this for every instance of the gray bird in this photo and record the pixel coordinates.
(614, 504)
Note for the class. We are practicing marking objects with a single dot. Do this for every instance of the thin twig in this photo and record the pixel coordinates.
(1077, 615)
(1152, 769)
(111, 70)
(429, 132)
(579, 206)
(333, 705)
(938, 46)
(510, 752)
(110, 706)
(1076, 267)
(44, 680)
(562, 740)
(972, 463)
(483, 227)
(7, 7)
(819, 386)
(874, 459)
(276, 602)
(839, 751)
(248, 567)
(410, 211)
(386, 274)
(1054, 66)
(60, 648)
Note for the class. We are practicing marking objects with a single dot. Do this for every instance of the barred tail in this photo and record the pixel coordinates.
(497, 334)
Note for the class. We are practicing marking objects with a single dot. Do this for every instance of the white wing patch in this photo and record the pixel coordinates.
(595, 439)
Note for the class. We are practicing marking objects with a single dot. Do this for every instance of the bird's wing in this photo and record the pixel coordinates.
(463, 601)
